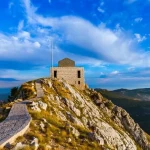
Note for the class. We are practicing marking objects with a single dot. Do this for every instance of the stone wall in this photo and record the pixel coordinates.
(70, 74)
(15, 124)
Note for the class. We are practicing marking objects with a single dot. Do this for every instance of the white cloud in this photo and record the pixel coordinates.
(100, 10)
(37, 44)
(30, 9)
(18, 74)
(20, 47)
(131, 68)
(24, 34)
(20, 25)
(139, 19)
(118, 30)
(106, 44)
(14, 38)
(117, 26)
(115, 72)
(139, 37)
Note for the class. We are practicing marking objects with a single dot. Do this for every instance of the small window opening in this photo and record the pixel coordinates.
(79, 74)
(78, 82)
(55, 74)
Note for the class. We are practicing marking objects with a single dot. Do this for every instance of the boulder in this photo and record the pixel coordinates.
(75, 132)
(71, 105)
(45, 121)
(69, 140)
(19, 146)
(97, 98)
(35, 143)
(42, 126)
(34, 106)
(50, 84)
(91, 136)
(42, 105)
(70, 117)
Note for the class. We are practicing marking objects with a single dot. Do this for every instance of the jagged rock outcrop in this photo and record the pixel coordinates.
(67, 118)
(129, 125)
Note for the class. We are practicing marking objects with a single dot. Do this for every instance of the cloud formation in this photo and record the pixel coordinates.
(139, 19)
(20, 25)
(100, 10)
(108, 45)
(101, 44)
(139, 37)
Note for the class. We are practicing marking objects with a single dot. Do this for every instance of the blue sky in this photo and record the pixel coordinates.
(111, 39)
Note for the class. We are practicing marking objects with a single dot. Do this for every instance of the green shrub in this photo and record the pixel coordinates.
(42, 147)
(109, 105)
(148, 137)
(20, 139)
(58, 139)
(28, 148)
(82, 129)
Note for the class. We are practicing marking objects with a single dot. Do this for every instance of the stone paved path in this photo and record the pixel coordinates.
(18, 118)
(16, 121)
(39, 89)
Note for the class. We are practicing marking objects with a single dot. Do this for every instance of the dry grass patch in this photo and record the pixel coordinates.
(148, 137)
(52, 119)
(61, 90)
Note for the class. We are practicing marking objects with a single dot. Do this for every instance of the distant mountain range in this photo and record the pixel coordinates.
(135, 94)
(4, 92)
(136, 102)
(3, 97)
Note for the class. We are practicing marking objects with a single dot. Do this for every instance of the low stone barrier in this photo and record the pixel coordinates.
(15, 124)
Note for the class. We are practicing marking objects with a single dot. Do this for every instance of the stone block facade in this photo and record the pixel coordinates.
(73, 75)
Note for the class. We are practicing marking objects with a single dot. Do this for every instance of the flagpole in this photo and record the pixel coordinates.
(51, 53)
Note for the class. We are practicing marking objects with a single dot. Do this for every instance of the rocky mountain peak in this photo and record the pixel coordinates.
(64, 117)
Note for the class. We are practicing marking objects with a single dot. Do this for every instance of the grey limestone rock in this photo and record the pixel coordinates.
(19, 146)
(35, 143)
(35, 106)
(42, 105)
(75, 131)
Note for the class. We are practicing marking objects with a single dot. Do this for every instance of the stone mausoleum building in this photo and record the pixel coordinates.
(68, 71)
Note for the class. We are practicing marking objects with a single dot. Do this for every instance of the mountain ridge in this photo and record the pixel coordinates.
(141, 94)
(68, 118)
(139, 110)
